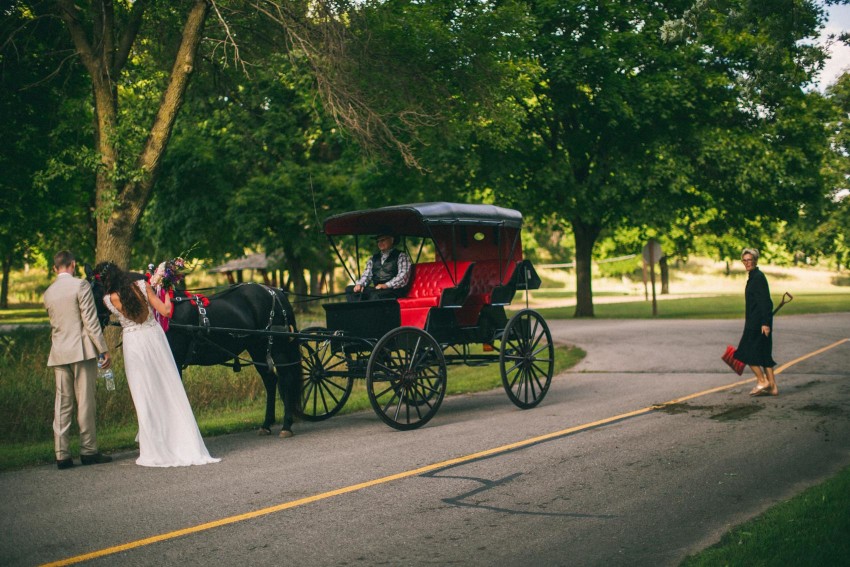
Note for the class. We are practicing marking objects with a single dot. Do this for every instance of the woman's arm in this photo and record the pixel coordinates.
(163, 308)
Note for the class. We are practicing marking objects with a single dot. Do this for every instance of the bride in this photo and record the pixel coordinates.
(168, 433)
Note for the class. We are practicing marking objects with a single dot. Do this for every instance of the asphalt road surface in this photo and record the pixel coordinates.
(592, 476)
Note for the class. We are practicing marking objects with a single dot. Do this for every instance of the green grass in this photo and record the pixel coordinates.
(813, 528)
(715, 307)
(25, 315)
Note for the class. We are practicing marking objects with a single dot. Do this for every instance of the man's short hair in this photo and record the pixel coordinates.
(63, 259)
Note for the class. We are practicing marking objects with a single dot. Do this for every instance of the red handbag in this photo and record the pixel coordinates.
(729, 358)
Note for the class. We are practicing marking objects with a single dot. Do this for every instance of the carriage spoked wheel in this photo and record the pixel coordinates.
(406, 378)
(527, 358)
(323, 391)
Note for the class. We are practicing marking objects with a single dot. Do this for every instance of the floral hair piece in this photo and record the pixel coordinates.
(105, 268)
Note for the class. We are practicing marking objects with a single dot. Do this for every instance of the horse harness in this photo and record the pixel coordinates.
(204, 322)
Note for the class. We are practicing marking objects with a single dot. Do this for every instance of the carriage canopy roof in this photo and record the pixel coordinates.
(418, 218)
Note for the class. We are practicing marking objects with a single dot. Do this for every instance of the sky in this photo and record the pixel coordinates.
(839, 20)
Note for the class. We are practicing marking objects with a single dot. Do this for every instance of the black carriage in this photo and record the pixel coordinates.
(467, 267)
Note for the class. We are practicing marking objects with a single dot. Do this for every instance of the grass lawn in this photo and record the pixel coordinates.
(811, 529)
(715, 307)
(23, 316)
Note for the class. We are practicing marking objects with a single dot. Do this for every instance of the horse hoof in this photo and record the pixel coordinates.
(263, 431)
(284, 433)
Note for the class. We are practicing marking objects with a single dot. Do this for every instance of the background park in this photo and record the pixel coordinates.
(136, 131)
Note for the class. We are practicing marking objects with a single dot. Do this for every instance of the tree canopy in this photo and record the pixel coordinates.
(136, 130)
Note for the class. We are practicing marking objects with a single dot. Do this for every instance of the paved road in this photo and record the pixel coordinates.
(644, 488)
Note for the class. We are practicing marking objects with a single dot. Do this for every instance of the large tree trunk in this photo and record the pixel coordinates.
(119, 208)
(299, 283)
(585, 237)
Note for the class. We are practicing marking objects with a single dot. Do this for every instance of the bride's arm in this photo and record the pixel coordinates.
(163, 308)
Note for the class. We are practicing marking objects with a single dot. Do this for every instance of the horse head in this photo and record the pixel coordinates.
(98, 292)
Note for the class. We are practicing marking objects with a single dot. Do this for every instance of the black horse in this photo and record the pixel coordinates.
(249, 307)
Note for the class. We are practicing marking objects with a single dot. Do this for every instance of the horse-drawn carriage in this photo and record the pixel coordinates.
(467, 268)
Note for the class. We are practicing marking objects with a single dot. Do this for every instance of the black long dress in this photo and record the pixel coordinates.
(755, 348)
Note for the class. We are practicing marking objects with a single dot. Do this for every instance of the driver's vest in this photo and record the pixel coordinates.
(382, 273)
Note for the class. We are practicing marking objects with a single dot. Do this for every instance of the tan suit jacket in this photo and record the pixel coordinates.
(76, 332)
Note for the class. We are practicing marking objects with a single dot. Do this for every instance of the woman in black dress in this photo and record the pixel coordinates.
(756, 344)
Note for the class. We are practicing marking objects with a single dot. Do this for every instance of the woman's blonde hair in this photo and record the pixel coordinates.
(752, 252)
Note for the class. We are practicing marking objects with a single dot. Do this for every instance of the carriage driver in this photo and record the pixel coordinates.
(387, 272)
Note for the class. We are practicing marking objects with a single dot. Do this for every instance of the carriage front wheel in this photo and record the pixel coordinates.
(527, 358)
(406, 378)
(325, 384)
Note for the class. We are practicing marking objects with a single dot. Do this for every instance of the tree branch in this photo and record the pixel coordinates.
(323, 38)
(172, 98)
(125, 43)
(68, 13)
(108, 34)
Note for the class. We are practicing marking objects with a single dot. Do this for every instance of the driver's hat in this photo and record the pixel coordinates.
(385, 234)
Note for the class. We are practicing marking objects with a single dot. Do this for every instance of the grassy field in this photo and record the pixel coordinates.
(714, 307)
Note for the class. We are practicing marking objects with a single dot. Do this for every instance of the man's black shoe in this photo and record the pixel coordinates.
(64, 464)
(95, 459)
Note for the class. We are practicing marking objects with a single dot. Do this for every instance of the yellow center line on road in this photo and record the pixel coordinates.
(415, 472)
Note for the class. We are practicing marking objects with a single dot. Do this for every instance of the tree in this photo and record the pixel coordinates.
(264, 157)
(619, 124)
(139, 58)
(40, 116)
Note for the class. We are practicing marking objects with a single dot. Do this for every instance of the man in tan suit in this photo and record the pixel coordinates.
(77, 342)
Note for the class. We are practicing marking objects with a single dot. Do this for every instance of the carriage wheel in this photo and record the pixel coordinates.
(406, 378)
(321, 395)
(527, 358)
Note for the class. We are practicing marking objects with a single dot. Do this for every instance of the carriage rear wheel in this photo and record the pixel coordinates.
(325, 385)
(527, 358)
(406, 378)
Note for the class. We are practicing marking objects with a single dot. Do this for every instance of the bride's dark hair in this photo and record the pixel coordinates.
(115, 280)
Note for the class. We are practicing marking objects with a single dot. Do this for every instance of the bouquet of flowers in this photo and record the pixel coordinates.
(168, 274)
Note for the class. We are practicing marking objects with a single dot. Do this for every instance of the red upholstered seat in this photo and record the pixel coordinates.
(429, 281)
(485, 278)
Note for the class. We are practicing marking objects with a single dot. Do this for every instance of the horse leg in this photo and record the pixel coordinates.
(288, 397)
(269, 381)
(290, 386)
(288, 412)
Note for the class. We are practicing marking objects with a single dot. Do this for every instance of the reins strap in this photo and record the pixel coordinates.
(203, 320)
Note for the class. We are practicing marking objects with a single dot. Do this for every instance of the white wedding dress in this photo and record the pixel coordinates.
(168, 432)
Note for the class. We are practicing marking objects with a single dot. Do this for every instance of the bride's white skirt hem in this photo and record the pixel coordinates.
(209, 461)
